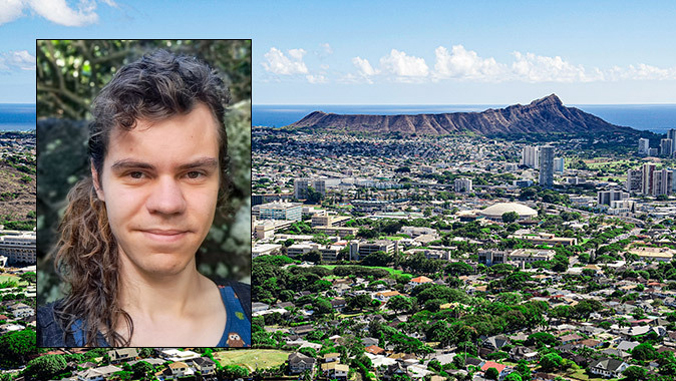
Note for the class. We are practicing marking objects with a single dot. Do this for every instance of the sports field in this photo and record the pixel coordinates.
(253, 358)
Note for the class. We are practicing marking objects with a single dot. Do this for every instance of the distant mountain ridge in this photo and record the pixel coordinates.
(545, 115)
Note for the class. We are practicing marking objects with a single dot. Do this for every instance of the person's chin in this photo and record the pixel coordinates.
(167, 267)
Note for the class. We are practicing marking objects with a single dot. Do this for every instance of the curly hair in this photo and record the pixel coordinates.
(157, 87)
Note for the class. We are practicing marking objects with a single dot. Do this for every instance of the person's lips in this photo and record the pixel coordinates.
(165, 235)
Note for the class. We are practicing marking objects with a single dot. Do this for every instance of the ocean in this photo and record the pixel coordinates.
(655, 118)
(17, 117)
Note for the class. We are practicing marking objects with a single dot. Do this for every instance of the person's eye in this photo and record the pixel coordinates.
(136, 175)
(195, 175)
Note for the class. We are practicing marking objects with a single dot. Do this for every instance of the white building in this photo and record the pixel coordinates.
(279, 210)
(18, 247)
(643, 146)
(530, 157)
(559, 163)
(463, 185)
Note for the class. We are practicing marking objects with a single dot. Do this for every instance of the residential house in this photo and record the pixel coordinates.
(21, 310)
(495, 342)
(9, 327)
(571, 338)
(396, 369)
(616, 352)
(302, 330)
(331, 357)
(338, 304)
(122, 354)
(335, 370)
(367, 341)
(258, 307)
(204, 365)
(384, 296)
(503, 370)
(608, 367)
(419, 280)
(176, 355)
(374, 349)
(97, 374)
(627, 346)
(299, 363)
(180, 369)
(522, 353)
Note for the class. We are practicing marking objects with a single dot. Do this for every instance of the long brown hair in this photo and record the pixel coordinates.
(156, 87)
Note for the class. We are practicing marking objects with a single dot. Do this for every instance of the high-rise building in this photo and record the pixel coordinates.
(546, 166)
(463, 185)
(671, 134)
(634, 181)
(530, 156)
(558, 165)
(663, 182)
(647, 181)
(643, 146)
(666, 147)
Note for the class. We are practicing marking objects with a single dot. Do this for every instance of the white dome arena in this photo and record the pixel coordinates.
(496, 211)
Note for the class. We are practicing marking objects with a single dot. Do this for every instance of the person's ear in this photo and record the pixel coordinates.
(97, 183)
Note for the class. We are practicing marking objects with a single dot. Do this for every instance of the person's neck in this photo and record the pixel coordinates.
(157, 295)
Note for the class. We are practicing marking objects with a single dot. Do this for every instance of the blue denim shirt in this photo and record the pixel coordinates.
(237, 332)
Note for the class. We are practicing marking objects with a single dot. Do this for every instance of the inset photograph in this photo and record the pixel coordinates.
(144, 193)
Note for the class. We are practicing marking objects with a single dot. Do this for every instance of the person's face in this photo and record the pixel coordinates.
(160, 183)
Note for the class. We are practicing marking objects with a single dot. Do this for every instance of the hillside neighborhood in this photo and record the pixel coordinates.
(462, 258)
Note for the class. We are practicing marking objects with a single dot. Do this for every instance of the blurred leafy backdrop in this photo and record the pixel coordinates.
(69, 75)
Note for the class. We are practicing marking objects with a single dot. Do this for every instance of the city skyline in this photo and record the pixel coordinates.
(394, 53)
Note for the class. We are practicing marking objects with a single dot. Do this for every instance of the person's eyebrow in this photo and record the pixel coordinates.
(125, 164)
(130, 164)
(206, 162)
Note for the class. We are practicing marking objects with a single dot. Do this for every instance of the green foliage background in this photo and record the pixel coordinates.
(69, 75)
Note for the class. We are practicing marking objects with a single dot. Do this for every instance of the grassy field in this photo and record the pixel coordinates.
(252, 358)
(389, 270)
(393, 271)
(5, 278)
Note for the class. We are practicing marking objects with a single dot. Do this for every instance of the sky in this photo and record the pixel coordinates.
(386, 52)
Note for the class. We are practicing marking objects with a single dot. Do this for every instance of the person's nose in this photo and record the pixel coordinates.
(166, 197)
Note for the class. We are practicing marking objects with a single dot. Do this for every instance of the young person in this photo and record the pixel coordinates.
(130, 233)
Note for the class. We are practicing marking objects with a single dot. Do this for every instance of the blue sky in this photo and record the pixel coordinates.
(386, 52)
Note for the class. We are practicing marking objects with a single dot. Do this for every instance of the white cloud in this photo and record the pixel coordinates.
(642, 72)
(56, 11)
(465, 64)
(328, 50)
(278, 63)
(314, 79)
(363, 66)
(14, 60)
(533, 68)
(10, 10)
(404, 66)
